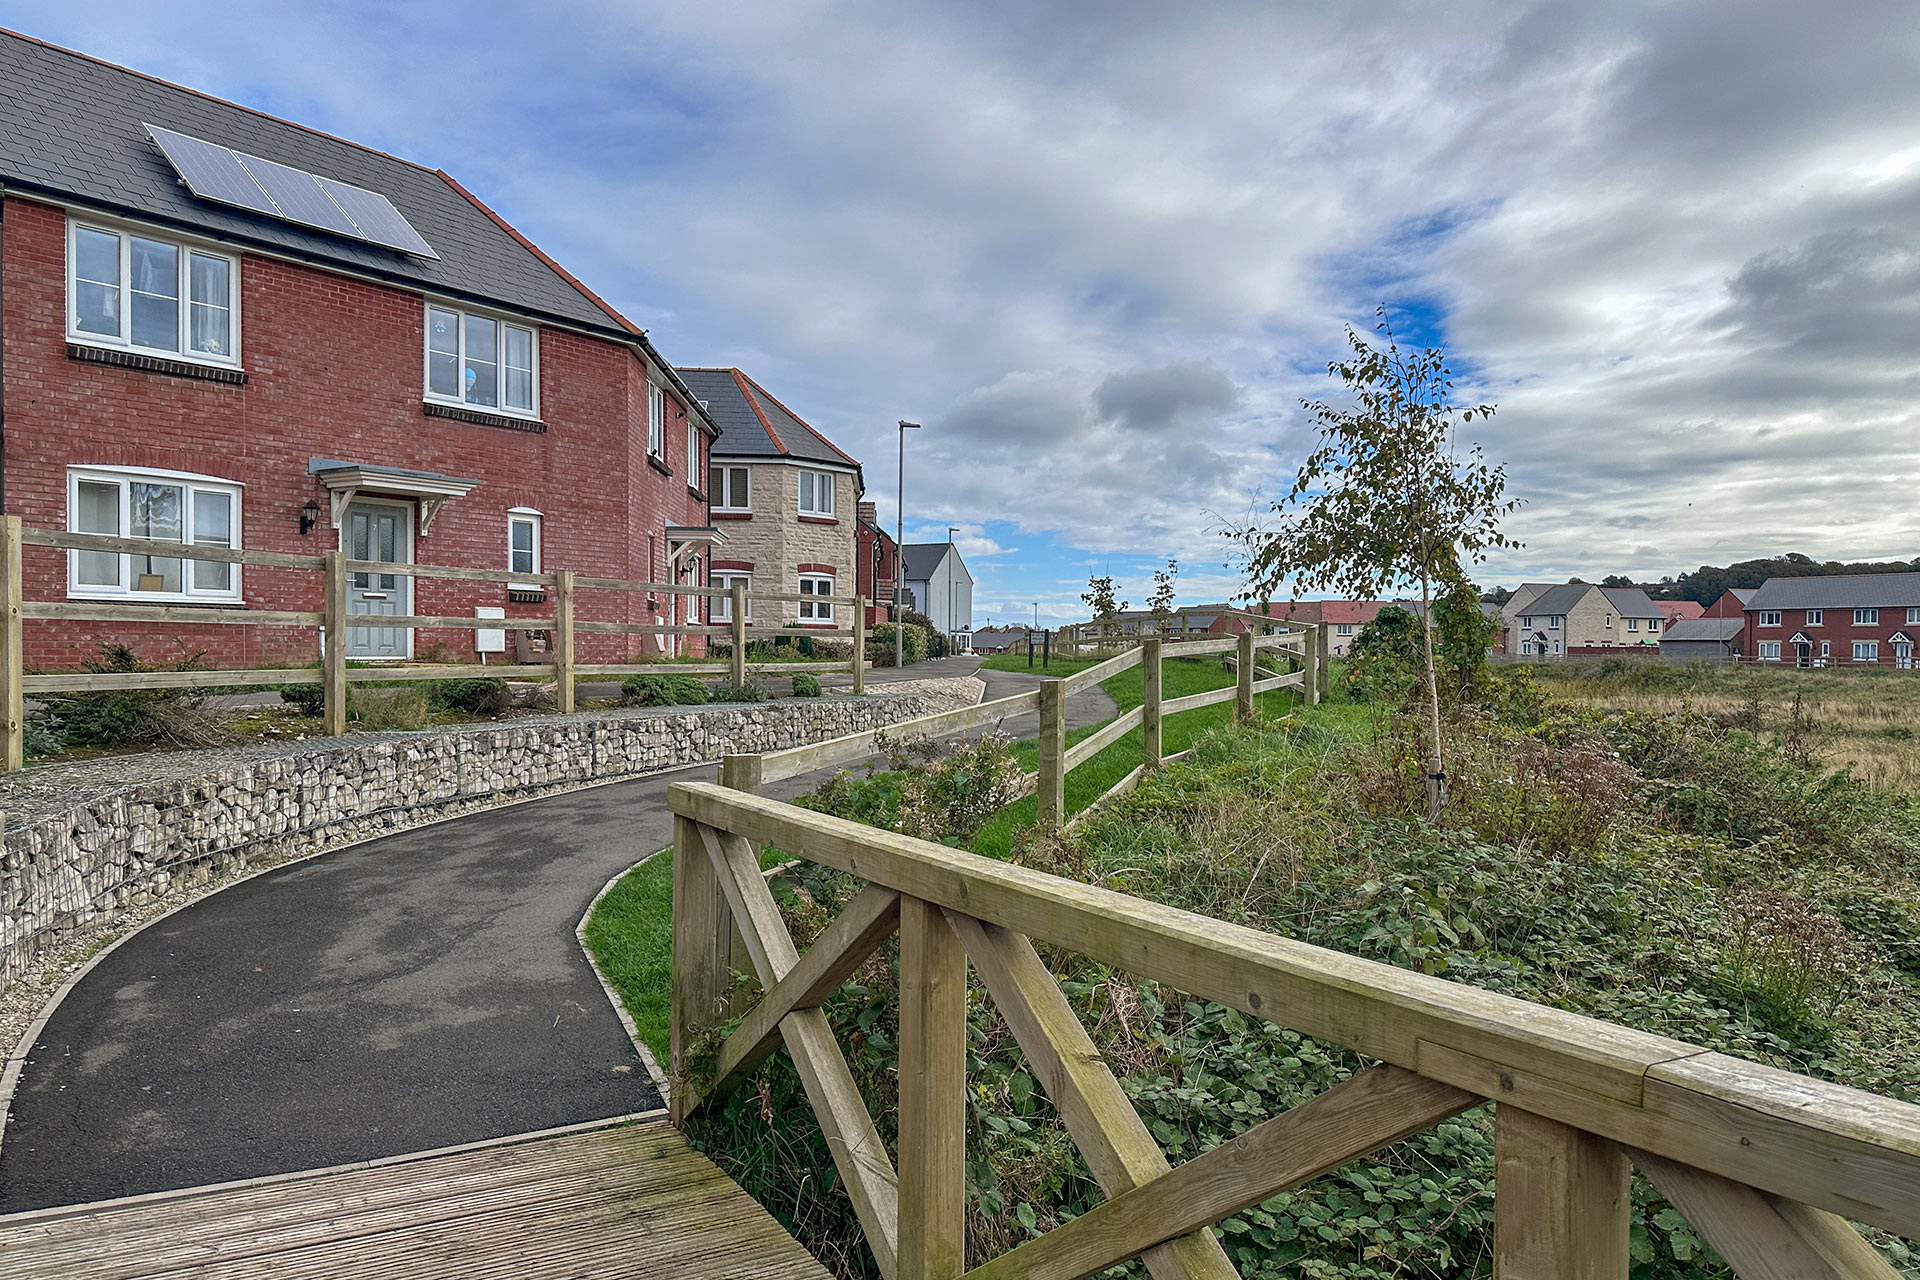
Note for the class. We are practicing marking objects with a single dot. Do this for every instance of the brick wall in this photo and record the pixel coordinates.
(334, 369)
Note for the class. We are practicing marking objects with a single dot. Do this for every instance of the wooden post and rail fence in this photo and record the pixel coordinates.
(1768, 1165)
(334, 619)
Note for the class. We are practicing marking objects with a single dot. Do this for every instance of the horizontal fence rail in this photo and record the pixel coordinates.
(336, 618)
(1767, 1164)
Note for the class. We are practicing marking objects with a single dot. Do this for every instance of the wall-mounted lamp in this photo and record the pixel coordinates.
(309, 517)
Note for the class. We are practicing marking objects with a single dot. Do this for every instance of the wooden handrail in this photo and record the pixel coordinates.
(857, 746)
(1838, 1149)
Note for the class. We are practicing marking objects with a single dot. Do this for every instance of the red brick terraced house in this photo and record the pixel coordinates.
(879, 564)
(218, 327)
(1845, 620)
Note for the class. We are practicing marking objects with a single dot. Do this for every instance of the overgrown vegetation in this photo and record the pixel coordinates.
(663, 690)
(126, 717)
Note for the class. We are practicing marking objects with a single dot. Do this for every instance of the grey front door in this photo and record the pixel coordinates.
(381, 531)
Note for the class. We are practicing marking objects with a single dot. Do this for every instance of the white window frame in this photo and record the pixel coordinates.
(1866, 651)
(124, 590)
(1826, 648)
(1816, 617)
(1554, 621)
(722, 607)
(718, 500)
(527, 516)
(811, 610)
(1343, 628)
(1866, 617)
(694, 473)
(1653, 624)
(1769, 651)
(1913, 616)
(123, 340)
(809, 489)
(656, 421)
(504, 322)
(1633, 624)
(1526, 622)
(1769, 617)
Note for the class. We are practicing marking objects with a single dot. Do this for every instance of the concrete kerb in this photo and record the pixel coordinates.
(613, 997)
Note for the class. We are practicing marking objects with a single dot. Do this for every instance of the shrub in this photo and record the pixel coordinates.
(745, 691)
(307, 699)
(390, 707)
(38, 740)
(133, 717)
(880, 647)
(1386, 664)
(663, 691)
(482, 696)
(805, 686)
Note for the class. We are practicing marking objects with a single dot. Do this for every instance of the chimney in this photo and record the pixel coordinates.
(869, 512)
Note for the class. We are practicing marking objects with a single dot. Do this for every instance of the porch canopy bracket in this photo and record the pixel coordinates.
(346, 480)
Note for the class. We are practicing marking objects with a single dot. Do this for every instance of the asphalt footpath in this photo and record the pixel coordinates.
(417, 991)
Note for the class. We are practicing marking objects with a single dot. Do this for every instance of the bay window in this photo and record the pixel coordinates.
(816, 493)
(815, 610)
(481, 361)
(174, 512)
(126, 289)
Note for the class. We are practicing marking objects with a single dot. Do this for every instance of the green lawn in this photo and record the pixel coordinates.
(1058, 667)
(630, 934)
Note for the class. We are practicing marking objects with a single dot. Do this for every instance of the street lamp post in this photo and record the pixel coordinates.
(899, 549)
(951, 530)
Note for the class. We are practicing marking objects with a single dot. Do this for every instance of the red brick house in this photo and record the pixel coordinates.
(1844, 620)
(1731, 604)
(221, 327)
(879, 557)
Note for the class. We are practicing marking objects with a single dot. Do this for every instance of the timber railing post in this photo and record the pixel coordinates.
(703, 935)
(859, 644)
(1310, 665)
(1052, 793)
(563, 639)
(1324, 675)
(737, 619)
(13, 711)
(1243, 674)
(333, 615)
(1562, 1200)
(743, 772)
(933, 1095)
(1150, 703)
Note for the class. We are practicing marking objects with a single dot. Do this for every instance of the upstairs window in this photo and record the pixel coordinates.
(693, 452)
(656, 421)
(481, 361)
(1815, 617)
(728, 489)
(172, 510)
(1343, 629)
(136, 291)
(1913, 617)
(523, 540)
(1866, 617)
(1769, 617)
(816, 493)
(1633, 624)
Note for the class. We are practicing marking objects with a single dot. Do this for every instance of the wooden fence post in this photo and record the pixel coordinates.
(703, 936)
(563, 639)
(13, 710)
(933, 1095)
(1052, 793)
(737, 619)
(333, 615)
(1325, 674)
(1243, 673)
(743, 772)
(1562, 1201)
(1150, 674)
(859, 644)
(1310, 665)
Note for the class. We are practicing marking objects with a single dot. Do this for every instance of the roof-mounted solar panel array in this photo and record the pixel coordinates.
(214, 172)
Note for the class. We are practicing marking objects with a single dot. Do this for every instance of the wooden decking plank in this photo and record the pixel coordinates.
(634, 1201)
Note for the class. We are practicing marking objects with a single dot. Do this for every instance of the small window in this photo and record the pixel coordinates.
(816, 493)
(173, 510)
(1653, 624)
(1633, 624)
(1815, 617)
(481, 361)
(728, 490)
(815, 610)
(1866, 650)
(1866, 617)
(1553, 623)
(693, 452)
(129, 290)
(656, 421)
(1770, 618)
(1826, 648)
(1609, 623)
(523, 541)
(1344, 629)
(1556, 646)
(1913, 617)
(722, 610)
(1527, 621)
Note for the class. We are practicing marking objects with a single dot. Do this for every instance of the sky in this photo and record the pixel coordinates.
(1103, 252)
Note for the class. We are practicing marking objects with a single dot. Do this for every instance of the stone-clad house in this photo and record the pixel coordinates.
(219, 328)
(1579, 619)
(785, 498)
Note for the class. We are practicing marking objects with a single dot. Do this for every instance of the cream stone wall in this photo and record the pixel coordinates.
(777, 541)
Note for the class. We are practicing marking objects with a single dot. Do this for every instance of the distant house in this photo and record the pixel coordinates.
(999, 639)
(1345, 619)
(939, 585)
(1299, 613)
(1674, 610)
(1702, 640)
(1580, 619)
(1842, 620)
(879, 560)
(1731, 604)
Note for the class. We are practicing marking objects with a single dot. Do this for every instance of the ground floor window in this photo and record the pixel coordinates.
(170, 509)
(1769, 651)
(815, 610)
(723, 605)
(523, 540)
(1866, 651)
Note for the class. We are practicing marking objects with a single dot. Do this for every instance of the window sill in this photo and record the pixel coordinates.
(480, 418)
(695, 494)
(161, 601)
(173, 366)
(731, 515)
(659, 466)
(818, 520)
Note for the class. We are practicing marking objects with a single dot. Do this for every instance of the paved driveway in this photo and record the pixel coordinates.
(416, 991)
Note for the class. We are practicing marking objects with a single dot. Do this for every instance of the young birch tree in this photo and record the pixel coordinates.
(1386, 499)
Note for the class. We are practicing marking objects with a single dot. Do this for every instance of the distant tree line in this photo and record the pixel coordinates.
(1710, 581)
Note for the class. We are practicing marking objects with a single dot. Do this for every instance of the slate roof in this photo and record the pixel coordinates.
(1839, 591)
(755, 425)
(1627, 602)
(1696, 630)
(923, 559)
(71, 127)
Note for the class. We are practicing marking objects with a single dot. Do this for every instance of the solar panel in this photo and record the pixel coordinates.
(376, 217)
(211, 172)
(298, 196)
(214, 172)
